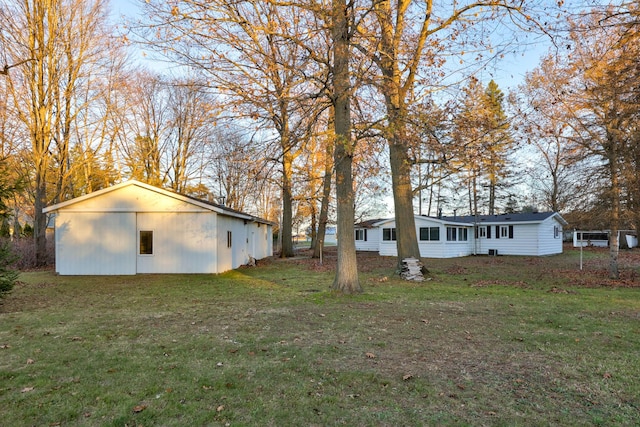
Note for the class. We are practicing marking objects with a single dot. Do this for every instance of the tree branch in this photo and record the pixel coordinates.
(5, 70)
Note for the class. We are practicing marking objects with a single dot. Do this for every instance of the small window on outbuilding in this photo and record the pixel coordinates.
(146, 242)
(229, 239)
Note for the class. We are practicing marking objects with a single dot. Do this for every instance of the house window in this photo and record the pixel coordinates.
(389, 234)
(556, 231)
(457, 234)
(434, 233)
(452, 234)
(361, 235)
(229, 240)
(146, 242)
(504, 231)
(482, 231)
(430, 233)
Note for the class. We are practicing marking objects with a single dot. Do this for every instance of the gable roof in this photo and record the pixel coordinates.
(223, 210)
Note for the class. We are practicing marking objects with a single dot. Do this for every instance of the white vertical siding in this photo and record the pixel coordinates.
(269, 239)
(182, 242)
(95, 243)
(99, 233)
(259, 245)
(228, 254)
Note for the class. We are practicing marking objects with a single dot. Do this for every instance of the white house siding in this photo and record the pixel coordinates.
(95, 243)
(433, 249)
(183, 242)
(429, 249)
(550, 237)
(386, 247)
(443, 248)
(372, 242)
(459, 249)
(524, 241)
(532, 234)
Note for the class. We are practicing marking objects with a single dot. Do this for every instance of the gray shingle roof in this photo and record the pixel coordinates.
(502, 218)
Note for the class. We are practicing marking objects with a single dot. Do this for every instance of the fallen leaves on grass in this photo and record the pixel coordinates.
(456, 269)
(556, 290)
(515, 284)
(139, 408)
(27, 389)
(370, 355)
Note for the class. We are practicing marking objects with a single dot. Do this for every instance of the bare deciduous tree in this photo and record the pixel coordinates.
(54, 42)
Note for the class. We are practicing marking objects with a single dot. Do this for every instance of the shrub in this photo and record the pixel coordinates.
(25, 252)
(7, 276)
(27, 230)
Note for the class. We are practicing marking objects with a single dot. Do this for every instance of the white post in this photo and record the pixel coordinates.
(581, 240)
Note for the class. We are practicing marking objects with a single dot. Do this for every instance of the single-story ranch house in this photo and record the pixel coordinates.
(135, 227)
(536, 233)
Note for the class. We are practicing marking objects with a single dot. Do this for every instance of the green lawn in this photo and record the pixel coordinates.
(487, 341)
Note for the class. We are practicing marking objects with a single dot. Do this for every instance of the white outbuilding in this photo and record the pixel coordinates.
(134, 227)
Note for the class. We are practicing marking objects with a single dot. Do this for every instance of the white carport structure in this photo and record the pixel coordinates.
(135, 227)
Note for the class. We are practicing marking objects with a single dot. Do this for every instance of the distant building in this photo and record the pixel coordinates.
(538, 233)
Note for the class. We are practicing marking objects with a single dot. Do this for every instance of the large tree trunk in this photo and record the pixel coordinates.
(324, 209)
(287, 206)
(314, 223)
(396, 132)
(614, 246)
(403, 202)
(492, 198)
(346, 280)
(40, 219)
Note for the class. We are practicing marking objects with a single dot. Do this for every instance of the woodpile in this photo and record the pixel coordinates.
(412, 270)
